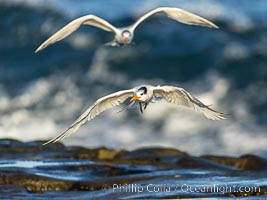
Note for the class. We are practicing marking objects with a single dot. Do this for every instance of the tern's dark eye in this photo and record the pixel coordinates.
(141, 94)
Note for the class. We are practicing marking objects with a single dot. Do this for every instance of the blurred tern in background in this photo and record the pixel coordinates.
(141, 96)
(125, 35)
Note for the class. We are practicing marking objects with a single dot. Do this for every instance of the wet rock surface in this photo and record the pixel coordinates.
(32, 171)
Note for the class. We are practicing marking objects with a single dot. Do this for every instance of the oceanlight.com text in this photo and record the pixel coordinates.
(185, 188)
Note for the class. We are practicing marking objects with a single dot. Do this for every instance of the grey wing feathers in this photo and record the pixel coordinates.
(179, 15)
(179, 96)
(98, 107)
(73, 26)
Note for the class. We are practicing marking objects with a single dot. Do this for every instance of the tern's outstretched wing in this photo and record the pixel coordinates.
(177, 14)
(74, 25)
(179, 96)
(98, 107)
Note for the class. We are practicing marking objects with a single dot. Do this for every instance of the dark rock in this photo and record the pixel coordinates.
(92, 154)
(34, 183)
(200, 163)
(245, 162)
(157, 156)
(54, 167)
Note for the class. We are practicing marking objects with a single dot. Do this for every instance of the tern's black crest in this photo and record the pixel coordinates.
(126, 32)
(144, 89)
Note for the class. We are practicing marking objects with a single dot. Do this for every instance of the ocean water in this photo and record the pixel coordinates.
(42, 94)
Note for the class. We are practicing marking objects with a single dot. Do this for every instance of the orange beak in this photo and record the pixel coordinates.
(134, 98)
(126, 40)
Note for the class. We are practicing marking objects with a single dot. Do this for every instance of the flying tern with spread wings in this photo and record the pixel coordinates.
(125, 35)
(141, 96)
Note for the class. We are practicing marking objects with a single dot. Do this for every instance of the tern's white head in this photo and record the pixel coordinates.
(142, 94)
(126, 36)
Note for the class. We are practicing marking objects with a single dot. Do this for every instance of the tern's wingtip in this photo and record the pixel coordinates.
(222, 117)
(215, 26)
(46, 143)
(225, 116)
(37, 50)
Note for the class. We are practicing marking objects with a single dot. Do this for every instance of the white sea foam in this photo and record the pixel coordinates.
(236, 51)
(45, 108)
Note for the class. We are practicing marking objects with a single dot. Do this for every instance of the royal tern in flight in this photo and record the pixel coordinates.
(125, 35)
(141, 96)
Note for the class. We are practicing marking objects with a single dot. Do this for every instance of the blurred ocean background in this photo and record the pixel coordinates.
(42, 94)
